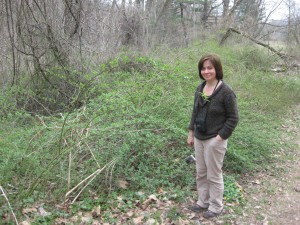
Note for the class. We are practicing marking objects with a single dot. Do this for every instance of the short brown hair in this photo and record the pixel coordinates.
(216, 61)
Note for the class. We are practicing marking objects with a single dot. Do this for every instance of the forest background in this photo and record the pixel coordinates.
(96, 97)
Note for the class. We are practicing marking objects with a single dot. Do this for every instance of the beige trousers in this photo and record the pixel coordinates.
(209, 156)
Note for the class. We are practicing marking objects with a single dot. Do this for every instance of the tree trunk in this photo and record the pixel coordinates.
(72, 17)
(205, 12)
(225, 7)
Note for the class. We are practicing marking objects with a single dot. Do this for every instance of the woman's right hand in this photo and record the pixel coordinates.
(190, 139)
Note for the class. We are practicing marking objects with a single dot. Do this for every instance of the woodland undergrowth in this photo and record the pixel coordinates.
(129, 135)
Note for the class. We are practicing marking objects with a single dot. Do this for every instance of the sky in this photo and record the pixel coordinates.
(280, 12)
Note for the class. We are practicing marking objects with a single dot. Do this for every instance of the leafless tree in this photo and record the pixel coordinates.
(52, 44)
(225, 7)
(292, 37)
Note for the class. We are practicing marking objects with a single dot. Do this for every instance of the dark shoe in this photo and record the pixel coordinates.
(196, 208)
(209, 214)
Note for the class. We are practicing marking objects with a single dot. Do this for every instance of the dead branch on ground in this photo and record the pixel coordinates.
(230, 30)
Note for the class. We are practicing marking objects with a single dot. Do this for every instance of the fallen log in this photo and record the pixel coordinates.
(232, 30)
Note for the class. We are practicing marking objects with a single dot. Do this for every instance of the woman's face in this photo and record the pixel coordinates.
(208, 71)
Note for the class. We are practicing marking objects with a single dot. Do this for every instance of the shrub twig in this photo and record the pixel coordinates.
(90, 178)
(9, 205)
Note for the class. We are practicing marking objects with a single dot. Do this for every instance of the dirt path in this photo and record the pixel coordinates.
(274, 198)
(287, 204)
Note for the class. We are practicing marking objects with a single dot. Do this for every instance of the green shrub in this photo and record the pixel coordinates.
(232, 190)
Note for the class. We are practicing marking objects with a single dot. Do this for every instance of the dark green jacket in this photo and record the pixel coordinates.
(220, 112)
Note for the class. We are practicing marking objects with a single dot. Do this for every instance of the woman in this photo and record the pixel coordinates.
(214, 117)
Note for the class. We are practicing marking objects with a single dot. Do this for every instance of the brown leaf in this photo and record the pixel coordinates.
(120, 198)
(160, 191)
(138, 220)
(151, 221)
(43, 212)
(153, 197)
(29, 210)
(74, 219)
(96, 212)
(25, 223)
(140, 193)
(239, 186)
(256, 182)
(183, 222)
(61, 221)
(87, 218)
(191, 215)
(146, 203)
(130, 213)
(121, 183)
(297, 188)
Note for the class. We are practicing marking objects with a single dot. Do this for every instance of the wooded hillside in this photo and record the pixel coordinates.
(96, 97)
(48, 47)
